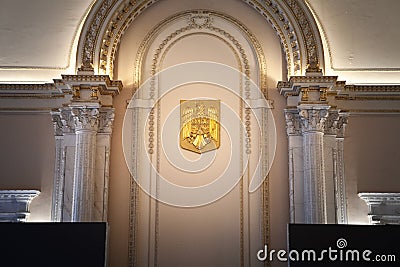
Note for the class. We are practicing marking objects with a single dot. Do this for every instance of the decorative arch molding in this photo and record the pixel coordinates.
(195, 19)
(250, 60)
(291, 19)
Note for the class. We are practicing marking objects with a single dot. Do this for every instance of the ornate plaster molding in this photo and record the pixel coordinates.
(313, 117)
(330, 127)
(85, 119)
(293, 122)
(292, 20)
(39, 91)
(106, 119)
(14, 204)
(57, 123)
(341, 123)
(310, 32)
(384, 208)
(202, 21)
(373, 90)
(106, 86)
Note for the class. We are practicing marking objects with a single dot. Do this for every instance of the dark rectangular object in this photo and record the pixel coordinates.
(344, 245)
(53, 244)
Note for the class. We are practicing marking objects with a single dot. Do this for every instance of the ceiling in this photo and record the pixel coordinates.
(38, 41)
(360, 35)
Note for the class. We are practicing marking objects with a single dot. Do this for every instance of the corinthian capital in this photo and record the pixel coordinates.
(341, 124)
(57, 123)
(313, 117)
(106, 118)
(293, 125)
(85, 119)
(331, 122)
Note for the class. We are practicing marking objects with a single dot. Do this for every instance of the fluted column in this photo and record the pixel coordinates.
(296, 170)
(58, 185)
(340, 184)
(86, 120)
(313, 118)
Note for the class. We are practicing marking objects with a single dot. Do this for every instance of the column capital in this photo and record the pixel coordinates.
(335, 123)
(106, 119)
(57, 123)
(293, 122)
(341, 124)
(330, 126)
(86, 118)
(313, 117)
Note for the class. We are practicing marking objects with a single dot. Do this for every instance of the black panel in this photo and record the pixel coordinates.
(345, 245)
(52, 244)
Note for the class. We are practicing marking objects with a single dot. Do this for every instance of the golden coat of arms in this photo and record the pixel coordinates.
(200, 128)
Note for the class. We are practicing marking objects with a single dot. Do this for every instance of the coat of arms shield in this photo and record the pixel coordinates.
(200, 128)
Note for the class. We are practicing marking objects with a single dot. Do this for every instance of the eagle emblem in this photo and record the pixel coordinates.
(200, 128)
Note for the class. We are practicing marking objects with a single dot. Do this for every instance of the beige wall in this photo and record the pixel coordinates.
(27, 158)
(179, 226)
(371, 159)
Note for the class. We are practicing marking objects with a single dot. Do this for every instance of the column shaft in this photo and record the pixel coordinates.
(340, 188)
(86, 120)
(83, 193)
(313, 119)
(58, 187)
(314, 178)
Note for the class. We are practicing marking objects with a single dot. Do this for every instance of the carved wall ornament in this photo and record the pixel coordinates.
(305, 22)
(293, 122)
(76, 92)
(313, 119)
(304, 94)
(92, 34)
(85, 119)
(201, 19)
(323, 94)
(331, 122)
(67, 120)
(57, 123)
(293, 22)
(341, 124)
(106, 119)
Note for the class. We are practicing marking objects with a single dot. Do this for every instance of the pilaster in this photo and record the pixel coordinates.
(58, 182)
(316, 176)
(83, 130)
(339, 177)
(296, 167)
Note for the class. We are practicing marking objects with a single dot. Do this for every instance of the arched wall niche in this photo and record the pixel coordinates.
(291, 19)
(197, 35)
(155, 25)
